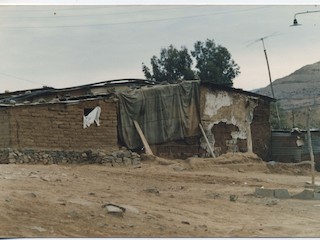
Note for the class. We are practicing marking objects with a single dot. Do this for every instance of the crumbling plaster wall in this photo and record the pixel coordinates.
(226, 107)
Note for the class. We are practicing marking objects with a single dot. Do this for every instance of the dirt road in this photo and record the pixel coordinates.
(162, 198)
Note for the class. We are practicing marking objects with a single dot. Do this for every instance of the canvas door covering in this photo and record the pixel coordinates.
(164, 112)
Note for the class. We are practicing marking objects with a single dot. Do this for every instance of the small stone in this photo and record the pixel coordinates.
(153, 190)
(120, 154)
(115, 210)
(127, 161)
(213, 195)
(45, 179)
(272, 202)
(127, 154)
(39, 229)
(185, 222)
(178, 168)
(233, 198)
(13, 154)
(134, 154)
(33, 195)
(130, 209)
(108, 158)
(203, 226)
(26, 159)
(73, 214)
(135, 161)
(12, 160)
(101, 154)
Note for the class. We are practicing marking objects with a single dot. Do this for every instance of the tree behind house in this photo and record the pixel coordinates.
(213, 63)
(172, 65)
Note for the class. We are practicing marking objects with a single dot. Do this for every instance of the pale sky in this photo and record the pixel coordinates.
(69, 45)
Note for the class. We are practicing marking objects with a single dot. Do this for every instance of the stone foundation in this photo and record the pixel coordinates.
(122, 157)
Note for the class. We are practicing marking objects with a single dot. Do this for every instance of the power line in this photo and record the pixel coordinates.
(135, 22)
(95, 15)
(22, 79)
(79, 7)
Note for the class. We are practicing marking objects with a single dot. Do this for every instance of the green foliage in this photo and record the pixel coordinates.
(172, 65)
(213, 63)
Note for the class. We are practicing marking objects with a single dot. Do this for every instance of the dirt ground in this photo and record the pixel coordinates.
(162, 198)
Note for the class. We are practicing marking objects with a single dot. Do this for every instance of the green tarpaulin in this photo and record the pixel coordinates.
(164, 112)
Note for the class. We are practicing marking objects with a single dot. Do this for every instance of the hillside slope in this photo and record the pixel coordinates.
(296, 93)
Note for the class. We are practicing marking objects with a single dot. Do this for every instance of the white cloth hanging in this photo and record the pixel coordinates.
(92, 117)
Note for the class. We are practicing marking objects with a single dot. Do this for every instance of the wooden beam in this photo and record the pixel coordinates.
(143, 139)
(207, 141)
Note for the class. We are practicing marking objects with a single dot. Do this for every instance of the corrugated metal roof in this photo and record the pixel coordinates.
(20, 96)
(238, 90)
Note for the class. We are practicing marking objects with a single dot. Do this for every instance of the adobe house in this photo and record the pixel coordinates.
(169, 116)
(233, 120)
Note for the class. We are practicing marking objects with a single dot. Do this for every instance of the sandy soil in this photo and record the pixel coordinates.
(162, 198)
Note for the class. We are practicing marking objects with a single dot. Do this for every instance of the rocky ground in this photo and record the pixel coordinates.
(160, 198)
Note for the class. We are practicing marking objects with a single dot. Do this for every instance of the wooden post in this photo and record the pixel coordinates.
(249, 134)
(310, 148)
(207, 141)
(249, 139)
(143, 139)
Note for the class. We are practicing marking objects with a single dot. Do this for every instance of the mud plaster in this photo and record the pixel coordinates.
(228, 108)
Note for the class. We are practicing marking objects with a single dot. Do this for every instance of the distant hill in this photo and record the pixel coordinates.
(296, 93)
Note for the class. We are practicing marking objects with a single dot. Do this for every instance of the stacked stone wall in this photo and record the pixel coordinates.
(117, 158)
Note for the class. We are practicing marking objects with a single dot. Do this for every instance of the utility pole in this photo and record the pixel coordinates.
(271, 86)
(310, 147)
(270, 79)
(293, 124)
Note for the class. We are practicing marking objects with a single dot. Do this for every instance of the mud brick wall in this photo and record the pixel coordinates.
(4, 127)
(261, 131)
(181, 149)
(60, 126)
